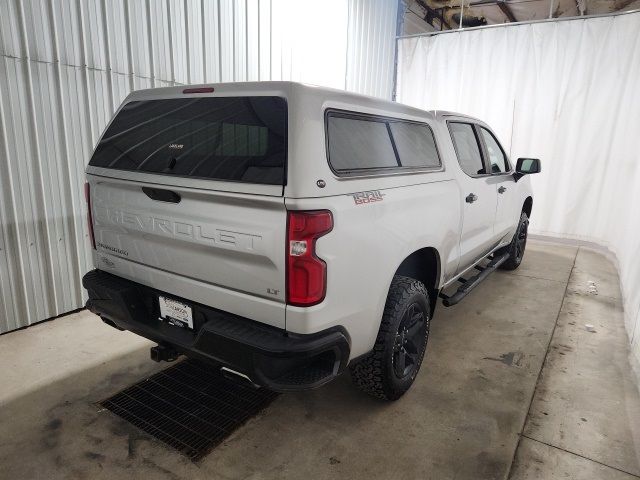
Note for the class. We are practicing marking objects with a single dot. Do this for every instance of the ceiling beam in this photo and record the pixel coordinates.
(504, 7)
(432, 13)
(484, 2)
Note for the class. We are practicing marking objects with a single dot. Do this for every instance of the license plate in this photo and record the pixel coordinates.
(175, 313)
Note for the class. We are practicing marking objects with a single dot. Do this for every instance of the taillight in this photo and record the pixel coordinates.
(306, 273)
(87, 197)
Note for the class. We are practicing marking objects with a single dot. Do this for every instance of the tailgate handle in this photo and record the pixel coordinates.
(161, 195)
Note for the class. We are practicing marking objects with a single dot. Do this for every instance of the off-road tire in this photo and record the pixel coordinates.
(517, 246)
(375, 374)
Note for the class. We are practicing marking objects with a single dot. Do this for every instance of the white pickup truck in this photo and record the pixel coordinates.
(283, 232)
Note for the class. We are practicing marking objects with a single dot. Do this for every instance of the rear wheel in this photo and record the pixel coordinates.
(517, 245)
(390, 368)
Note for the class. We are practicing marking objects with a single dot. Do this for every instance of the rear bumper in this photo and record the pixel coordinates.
(269, 356)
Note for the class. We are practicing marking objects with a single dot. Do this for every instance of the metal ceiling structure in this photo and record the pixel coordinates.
(423, 16)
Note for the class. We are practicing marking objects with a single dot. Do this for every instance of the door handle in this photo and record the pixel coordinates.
(502, 189)
(472, 197)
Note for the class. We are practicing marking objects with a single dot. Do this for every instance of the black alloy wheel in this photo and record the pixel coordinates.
(521, 241)
(517, 246)
(409, 341)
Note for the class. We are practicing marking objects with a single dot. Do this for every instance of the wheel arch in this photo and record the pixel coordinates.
(423, 265)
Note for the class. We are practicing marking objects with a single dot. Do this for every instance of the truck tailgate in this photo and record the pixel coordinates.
(222, 249)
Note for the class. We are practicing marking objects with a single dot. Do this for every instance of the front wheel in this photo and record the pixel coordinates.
(390, 368)
(517, 245)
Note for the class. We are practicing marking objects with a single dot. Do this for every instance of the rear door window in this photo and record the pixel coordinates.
(467, 148)
(359, 143)
(241, 139)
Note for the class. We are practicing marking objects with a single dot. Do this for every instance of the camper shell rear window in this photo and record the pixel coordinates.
(239, 139)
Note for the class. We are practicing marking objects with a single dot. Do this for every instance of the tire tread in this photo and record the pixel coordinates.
(369, 373)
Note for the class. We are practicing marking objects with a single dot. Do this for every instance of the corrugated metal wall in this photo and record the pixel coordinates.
(371, 57)
(67, 65)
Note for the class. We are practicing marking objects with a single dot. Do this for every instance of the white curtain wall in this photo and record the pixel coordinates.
(567, 92)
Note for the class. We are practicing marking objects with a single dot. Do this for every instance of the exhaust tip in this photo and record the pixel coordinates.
(237, 377)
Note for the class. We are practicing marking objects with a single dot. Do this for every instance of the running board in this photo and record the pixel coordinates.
(473, 282)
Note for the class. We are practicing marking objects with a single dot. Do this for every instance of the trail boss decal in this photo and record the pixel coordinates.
(369, 196)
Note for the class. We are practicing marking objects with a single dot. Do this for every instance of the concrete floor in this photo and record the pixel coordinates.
(513, 386)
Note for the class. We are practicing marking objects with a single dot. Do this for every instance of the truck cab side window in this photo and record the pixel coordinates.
(497, 158)
(467, 148)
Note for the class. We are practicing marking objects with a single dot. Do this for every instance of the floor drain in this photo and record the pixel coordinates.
(189, 406)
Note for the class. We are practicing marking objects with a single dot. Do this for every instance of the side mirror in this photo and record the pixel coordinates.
(527, 166)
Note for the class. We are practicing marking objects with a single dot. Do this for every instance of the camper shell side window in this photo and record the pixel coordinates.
(361, 144)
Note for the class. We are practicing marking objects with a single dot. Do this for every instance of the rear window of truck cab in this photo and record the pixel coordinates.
(241, 139)
(367, 144)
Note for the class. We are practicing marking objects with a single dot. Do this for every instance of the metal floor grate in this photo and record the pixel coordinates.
(189, 406)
